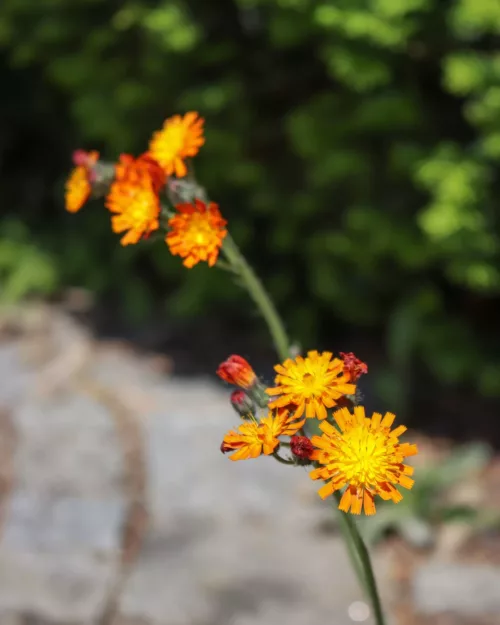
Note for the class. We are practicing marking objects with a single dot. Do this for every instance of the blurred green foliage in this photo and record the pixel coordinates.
(354, 146)
(25, 269)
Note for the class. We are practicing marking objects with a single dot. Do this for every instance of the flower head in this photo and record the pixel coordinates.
(180, 138)
(236, 370)
(197, 232)
(313, 384)
(140, 171)
(253, 439)
(79, 183)
(353, 367)
(246, 441)
(133, 197)
(365, 456)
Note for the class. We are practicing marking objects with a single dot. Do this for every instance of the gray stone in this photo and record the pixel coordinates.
(223, 574)
(66, 588)
(37, 522)
(16, 379)
(69, 447)
(466, 589)
(62, 532)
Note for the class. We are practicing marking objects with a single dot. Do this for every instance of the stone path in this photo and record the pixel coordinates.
(117, 507)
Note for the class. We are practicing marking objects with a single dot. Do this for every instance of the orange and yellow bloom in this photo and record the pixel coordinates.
(196, 233)
(313, 384)
(365, 456)
(133, 197)
(180, 138)
(237, 371)
(140, 171)
(254, 438)
(79, 183)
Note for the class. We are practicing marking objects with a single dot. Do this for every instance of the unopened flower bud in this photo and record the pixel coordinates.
(353, 367)
(236, 370)
(224, 447)
(243, 404)
(301, 447)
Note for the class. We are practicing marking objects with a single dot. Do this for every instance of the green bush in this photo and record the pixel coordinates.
(354, 143)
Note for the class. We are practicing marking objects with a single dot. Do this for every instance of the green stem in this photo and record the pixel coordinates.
(356, 546)
(353, 554)
(259, 296)
(279, 458)
(361, 562)
(220, 264)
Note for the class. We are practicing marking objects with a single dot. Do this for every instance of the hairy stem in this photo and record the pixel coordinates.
(260, 297)
(361, 562)
(279, 458)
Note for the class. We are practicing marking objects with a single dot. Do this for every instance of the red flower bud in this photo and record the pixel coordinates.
(242, 403)
(224, 447)
(236, 370)
(301, 447)
(353, 367)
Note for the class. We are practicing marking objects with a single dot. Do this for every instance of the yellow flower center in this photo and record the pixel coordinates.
(308, 380)
(310, 385)
(142, 210)
(200, 231)
(364, 457)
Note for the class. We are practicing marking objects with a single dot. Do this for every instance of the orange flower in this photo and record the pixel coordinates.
(179, 138)
(253, 439)
(246, 442)
(364, 455)
(236, 370)
(79, 183)
(133, 196)
(313, 384)
(140, 171)
(197, 232)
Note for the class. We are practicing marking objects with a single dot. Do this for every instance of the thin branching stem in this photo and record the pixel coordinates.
(260, 296)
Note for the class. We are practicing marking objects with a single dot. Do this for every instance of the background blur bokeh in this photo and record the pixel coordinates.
(353, 145)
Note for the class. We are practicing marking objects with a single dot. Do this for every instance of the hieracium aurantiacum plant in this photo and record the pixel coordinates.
(357, 457)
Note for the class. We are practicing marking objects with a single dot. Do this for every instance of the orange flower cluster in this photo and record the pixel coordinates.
(196, 230)
(359, 455)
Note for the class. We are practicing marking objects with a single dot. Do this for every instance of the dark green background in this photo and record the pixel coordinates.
(353, 145)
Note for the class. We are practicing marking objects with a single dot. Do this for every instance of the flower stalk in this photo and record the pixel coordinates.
(157, 195)
(259, 295)
(358, 552)
(361, 561)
